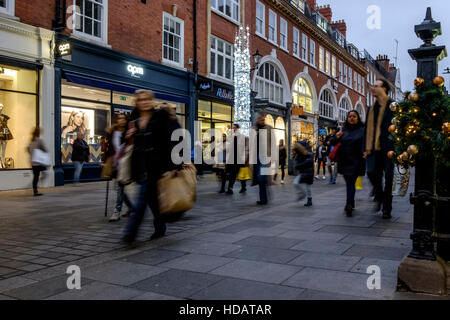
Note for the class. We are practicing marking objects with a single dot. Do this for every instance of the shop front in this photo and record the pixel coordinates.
(92, 84)
(26, 81)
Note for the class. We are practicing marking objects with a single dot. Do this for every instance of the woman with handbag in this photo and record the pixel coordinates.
(38, 152)
(150, 130)
(349, 155)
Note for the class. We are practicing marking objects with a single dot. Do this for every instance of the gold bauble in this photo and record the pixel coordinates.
(419, 82)
(413, 97)
(394, 120)
(438, 81)
(399, 159)
(393, 106)
(391, 154)
(405, 156)
(413, 150)
(446, 128)
(392, 128)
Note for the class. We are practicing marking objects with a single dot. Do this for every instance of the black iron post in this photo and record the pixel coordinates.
(424, 197)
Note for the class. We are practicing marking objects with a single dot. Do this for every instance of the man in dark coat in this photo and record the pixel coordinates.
(378, 142)
(80, 155)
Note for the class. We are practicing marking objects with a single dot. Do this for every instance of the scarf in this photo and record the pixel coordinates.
(371, 130)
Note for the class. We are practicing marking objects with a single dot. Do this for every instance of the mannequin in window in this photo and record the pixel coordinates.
(75, 124)
(5, 135)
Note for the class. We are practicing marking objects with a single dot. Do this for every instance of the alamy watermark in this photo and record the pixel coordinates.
(374, 280)
(74, 280)
(374, 19)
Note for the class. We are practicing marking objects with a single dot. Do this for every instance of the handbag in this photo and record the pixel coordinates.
(334, 154)
(244, 174)
(359, 183)
(174, 194)
(41, 158)
(124, 164)
(401, 181)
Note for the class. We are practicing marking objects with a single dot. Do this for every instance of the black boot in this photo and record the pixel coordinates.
(309, 203)
(348, 210)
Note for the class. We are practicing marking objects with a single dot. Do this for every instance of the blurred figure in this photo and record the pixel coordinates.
(36, 143)
(332, 170)
(321, 158)
(150, 131)
(196, 157)
(80, 155)
(351, 163)
(232, 166)
(282, 157)
(304, 164)
(220, 159)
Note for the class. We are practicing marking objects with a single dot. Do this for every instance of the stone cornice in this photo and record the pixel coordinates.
(318, 35)
(28, 31)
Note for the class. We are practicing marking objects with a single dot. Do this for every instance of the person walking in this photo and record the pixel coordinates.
(304, 164)
(220, 159)
(235, 160)
(150, 131)
(377, 145)
(282, 157)
(80, 155)
(261, 176)
(332, 168)
(114, 144)
(36, 143)
(351, 163)
(321, 158)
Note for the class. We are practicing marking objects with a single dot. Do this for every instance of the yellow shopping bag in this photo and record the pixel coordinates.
(359, 183)
(244, 174)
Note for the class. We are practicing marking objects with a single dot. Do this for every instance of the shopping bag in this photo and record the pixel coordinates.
(244, 174)
(174, 194)
(41, 158)
(401, 181)
(359, 183)
(189, 173)
(334, 154)
(124, 164)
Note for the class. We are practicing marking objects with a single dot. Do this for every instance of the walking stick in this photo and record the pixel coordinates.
(107, 195)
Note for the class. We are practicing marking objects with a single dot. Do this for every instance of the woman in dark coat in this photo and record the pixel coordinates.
(304, 164)
(351, 163)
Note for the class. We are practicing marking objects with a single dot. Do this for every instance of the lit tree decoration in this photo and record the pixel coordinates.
(242, 80)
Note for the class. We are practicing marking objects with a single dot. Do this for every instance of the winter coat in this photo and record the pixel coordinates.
(305, 165)
(80, 151)
(350, 153)
(282, 155)
(38, 143)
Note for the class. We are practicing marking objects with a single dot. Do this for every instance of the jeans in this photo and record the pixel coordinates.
(122, 197)
(350, 181)
(333, 172)
(303, 188)
(78, 168)
(382, 165)
(262, 182)
(146, 195)
(319, 163)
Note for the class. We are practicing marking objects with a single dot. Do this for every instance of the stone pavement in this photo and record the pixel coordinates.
(225, 248)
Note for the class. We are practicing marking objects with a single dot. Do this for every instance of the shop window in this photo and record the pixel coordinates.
(301, 95)
(279, 124)
(344, 108)
(91, 19)
(326, 108)
(7, 6)
(123, 99)
(84, 92)
(268, 83)
(228, 8)
(222, 59)
(221, 112)
(173, 40)
(18, 115)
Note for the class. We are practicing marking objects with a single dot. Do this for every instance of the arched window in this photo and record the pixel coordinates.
(360, 110)
(268, 83)
(326, 108)
(279, 124)
(301, 96)
(344, 108)
(270, 121)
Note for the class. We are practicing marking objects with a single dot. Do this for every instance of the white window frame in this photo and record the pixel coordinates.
(274, 15)
(216, 53)
(327, 62)
(342, 110)
(296, 42)
(355, 81)
(10, 8)
(321, 59)
(283, 25)
(179, 64)
(215, 8)
(312, 52)
(350, 77)
(333, 67)
(104, 22)
(262, 19)
(270, 84)
(326, 106)
(304, 47)
(341, 71)
(345, 74)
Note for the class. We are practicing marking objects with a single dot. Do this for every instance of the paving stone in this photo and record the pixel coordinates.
(352, 230)
(69, 257)
(264, 254)
(196, 263)
(326, 261)
(44, 261)
(317, 236)
(220, 237)
(201, 247)
(4, 298)
(154, 296)
(257, 271)
(120, 272)
(43, 247)
(322, 246)
(153, 257)
(19, 250)
(13, 264)
(31, 267)
(8, 254)
(237, 227)
(238, 289)
(307, 227)
(51, 255)
(43, 289)
(346, 283)
(376, 241)
(268, 242)
(98, 291)
(309, 294)
(178, 283)
(348, 222)
(393, 233)
(6, 271)
(15, 282)
(387, 253)
(388, 267)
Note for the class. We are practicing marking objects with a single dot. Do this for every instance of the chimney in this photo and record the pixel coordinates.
(326, 12)
(341, 26)
(384, 62)
(312, 4)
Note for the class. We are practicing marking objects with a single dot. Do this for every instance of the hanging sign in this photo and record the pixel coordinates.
(63, 49)
(297, 111)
